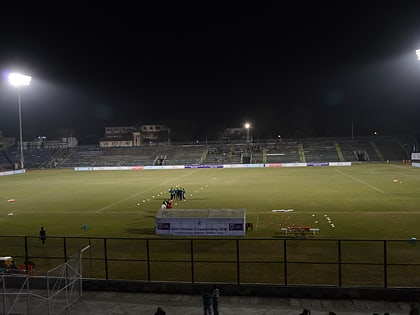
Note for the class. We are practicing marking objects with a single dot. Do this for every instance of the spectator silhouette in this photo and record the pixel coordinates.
(216, 294)
(207, 302)
(160, 311)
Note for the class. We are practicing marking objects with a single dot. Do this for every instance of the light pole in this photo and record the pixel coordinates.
(247, 126)
(18, 80)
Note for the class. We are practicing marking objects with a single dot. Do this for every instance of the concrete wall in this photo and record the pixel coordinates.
(400, 294)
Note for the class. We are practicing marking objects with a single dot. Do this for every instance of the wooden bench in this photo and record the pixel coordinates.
(299, 231)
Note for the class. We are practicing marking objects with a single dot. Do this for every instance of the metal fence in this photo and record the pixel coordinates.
(282, 261)
(51, 293)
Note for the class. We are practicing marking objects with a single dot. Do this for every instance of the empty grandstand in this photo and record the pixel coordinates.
(309, 150)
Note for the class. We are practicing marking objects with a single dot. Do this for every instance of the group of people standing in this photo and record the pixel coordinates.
(211, 301)
(177, 193)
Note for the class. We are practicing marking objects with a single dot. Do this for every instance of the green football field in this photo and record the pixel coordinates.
(363, 201)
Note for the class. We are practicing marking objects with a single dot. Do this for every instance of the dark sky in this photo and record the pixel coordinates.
(306, 69)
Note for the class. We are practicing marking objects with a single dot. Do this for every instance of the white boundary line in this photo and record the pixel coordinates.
(360, 181)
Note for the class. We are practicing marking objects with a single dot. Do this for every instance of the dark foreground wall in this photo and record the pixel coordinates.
(401, 294)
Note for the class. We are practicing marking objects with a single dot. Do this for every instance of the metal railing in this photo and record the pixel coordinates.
(280, 261)
(46, 293)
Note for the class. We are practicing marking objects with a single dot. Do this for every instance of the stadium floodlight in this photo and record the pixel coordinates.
(18, 80)
(418, 54)
(247, 127)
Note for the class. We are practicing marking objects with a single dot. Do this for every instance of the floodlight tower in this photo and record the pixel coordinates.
(247, 127)
(18, 80)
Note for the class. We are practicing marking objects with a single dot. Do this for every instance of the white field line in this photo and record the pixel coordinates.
(360, 181)
(139, 193)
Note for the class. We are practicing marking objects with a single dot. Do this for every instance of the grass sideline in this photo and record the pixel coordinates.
(363, 201)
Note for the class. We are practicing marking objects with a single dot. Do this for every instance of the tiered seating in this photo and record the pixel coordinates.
(320, 150)
(391, 149)
(315, 151)
(229, 153)
(350, 146)
(8, 159)
(284, 152)
(35, 158)
(184, 154)
(217, 154)
(83, 156)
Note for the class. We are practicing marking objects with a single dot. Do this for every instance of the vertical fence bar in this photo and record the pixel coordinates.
(385, 265)
(65, 248)
(285, 260)
(106, 260)
(238, 272)
(192, 260)
(148, 260)
(26, 252)
(340, 270)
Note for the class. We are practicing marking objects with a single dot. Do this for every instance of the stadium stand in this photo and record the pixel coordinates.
(184, 154)
(391, 149)
(319, 150)
(359, 149)
(315, 150)
(284, 152)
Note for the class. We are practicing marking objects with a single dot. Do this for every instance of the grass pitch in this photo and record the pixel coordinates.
(363, 201)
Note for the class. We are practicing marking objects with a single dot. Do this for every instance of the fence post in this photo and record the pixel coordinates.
(26, 253)
(192, 260)
(148, 259)
(385, 265)
(65, 249)
(106, 260)
(238, 273)
(340, 275)
(285, 261)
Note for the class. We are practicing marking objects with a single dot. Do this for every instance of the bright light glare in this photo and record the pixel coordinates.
(247, 126)
(418, 54)
(17, 79)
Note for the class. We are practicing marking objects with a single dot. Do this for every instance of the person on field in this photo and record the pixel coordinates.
(172, 192)
(42, 236)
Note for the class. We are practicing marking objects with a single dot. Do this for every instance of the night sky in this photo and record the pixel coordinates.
(311, 69)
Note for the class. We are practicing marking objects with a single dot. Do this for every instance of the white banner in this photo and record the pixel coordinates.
(415, 156)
